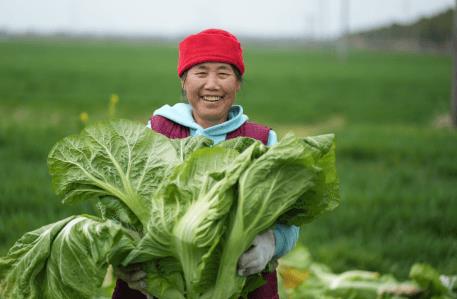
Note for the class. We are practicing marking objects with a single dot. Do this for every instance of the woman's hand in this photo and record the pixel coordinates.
(259, 255)
(134, 276)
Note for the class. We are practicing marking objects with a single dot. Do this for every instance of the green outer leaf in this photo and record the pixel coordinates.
(267, 189)
(121, 159)
(21, 270)
(240, 144)
(114, 209)
(80, 256)
(165, 279)
(186, 146)
(324, 195)
(66, 259)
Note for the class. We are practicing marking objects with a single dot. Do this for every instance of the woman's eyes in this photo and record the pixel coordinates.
(204, 74)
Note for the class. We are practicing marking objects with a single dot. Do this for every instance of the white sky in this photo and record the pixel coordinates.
(285, 18)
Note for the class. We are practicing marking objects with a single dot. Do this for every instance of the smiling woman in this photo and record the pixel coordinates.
(211, 68)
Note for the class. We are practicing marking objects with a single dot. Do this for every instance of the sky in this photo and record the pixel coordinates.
(171, 18)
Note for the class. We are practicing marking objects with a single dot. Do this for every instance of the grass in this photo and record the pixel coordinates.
(399, 205)
(398, 172)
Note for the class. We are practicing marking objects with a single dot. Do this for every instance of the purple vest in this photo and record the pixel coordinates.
(173, 130)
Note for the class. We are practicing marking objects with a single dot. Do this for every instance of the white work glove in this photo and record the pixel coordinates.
(259, 254)
(134, 276)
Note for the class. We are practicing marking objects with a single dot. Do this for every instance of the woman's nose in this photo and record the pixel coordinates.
(212, 82)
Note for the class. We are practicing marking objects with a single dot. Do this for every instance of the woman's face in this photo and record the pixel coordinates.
(211, 89)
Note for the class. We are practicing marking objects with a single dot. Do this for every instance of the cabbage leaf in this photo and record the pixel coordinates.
(66, 259)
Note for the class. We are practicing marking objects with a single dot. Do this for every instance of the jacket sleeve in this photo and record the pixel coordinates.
(285, 236)
(272, 138)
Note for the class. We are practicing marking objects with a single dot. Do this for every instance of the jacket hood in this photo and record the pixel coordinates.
(181, 113)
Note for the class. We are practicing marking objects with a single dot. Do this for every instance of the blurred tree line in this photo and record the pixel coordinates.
(428, 33)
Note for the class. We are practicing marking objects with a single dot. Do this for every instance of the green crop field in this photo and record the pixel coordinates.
(397, 159)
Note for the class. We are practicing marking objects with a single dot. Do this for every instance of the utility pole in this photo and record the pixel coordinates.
(454, 71)
(343, 42)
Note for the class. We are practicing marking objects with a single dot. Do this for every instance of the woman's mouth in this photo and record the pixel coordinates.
(212, 99)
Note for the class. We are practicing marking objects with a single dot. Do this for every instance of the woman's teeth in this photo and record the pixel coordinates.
(212, 98)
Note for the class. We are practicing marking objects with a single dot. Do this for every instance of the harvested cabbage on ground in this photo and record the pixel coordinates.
(185, 208)
(303, 278)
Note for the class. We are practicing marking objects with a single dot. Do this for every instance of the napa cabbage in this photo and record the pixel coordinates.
(185, 208)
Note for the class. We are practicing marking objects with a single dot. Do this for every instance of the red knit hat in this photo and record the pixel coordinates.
(211, 45)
